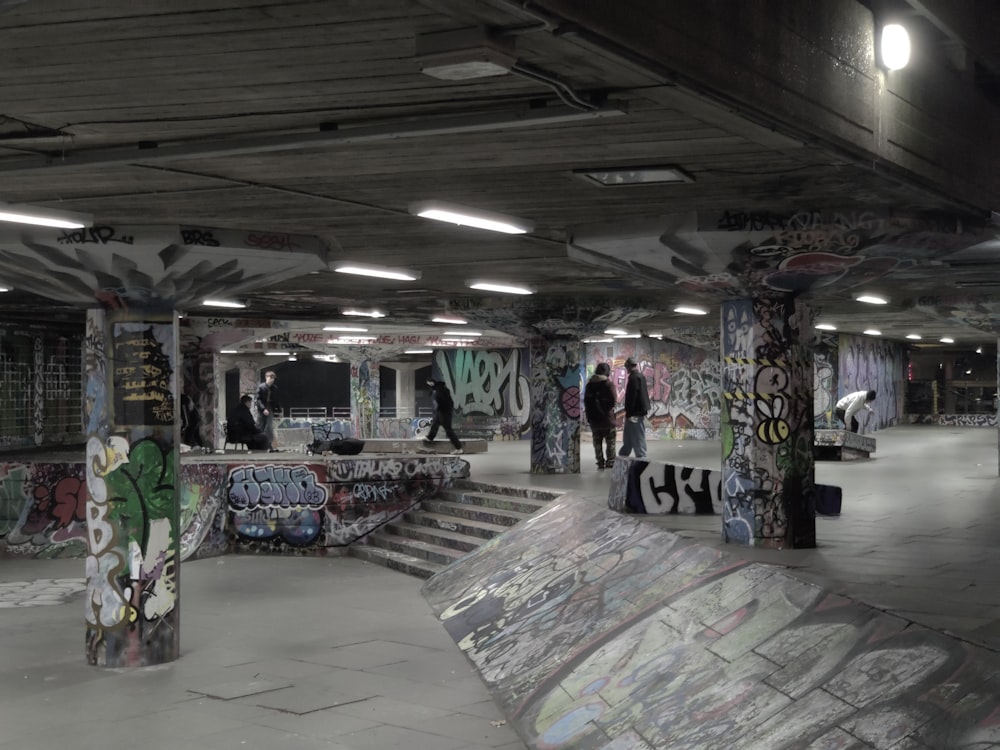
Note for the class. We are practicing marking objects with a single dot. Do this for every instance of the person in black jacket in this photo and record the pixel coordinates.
(599, 406)
(268, 406)
(241, 427)
(443, 408)
(636, 408)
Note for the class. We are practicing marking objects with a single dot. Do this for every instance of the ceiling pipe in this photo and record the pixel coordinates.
(475, 123)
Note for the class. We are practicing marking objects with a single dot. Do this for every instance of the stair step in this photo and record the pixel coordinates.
(415, 547)
(441, 537)
(533, 493)
(473, 512)
(414, 566)
(482, 530)
(493, 500)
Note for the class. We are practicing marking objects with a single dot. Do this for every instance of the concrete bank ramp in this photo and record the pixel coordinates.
(593, 629)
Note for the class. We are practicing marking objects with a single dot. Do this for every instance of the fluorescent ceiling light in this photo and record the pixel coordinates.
(873, 332)
(418, 351)
(365, 313)
(399, 274)
(228, 351)
(346, 329)
(629, 336)
(449, 320)
(597, 341)
(470, 217)
(44, 217)
(489, 286)
(235, 304)
(625, 176)
(615, 331)
(895, 46)
(276, 354)
(826, 327)
(872, 299)
(686, 310)
(914, 336)
(5, 289)
(947, 340)
(462, 333)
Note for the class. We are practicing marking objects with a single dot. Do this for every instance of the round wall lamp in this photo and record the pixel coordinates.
(894, 46)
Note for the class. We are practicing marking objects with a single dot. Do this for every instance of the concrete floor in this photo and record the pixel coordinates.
(340, 654)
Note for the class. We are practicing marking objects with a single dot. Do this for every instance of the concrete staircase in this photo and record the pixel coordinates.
(447, 527)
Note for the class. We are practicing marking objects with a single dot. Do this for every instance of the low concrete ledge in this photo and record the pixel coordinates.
(639, 485)
(841, 445)
(416, 445)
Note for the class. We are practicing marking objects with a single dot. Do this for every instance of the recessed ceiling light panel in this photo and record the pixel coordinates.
(826, 327)
(629, 176)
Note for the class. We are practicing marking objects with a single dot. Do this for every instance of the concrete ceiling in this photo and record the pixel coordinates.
(313, 118)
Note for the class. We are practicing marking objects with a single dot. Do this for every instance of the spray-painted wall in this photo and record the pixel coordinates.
(291, 507)
(555, 407)
(683, 383)
(873, 364)
(491, 390)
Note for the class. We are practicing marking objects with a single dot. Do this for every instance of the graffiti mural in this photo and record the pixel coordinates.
(683, 383)
(307, 508)
(872, 364)
(654, 487)
(826, 359)
(52, 499)
(768, 425)
(555, 408)
(365, 398)
(491, 390)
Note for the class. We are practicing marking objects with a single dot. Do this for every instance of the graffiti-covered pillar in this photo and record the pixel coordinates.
(555, 406)
(365, 398)
(133, 546)
(767, 423)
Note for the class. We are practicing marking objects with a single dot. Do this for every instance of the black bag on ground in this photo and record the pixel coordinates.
(326, 439)
(347, 446)
(828, 499)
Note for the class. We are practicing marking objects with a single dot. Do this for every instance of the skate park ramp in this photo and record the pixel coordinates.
(594, 629)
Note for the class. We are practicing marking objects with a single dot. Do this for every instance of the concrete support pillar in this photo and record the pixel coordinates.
(133, 504)
(406, 393)
(365, 399)
(768, 472)
(556, 402)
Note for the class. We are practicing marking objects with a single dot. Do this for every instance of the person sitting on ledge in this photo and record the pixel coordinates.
(241, 427)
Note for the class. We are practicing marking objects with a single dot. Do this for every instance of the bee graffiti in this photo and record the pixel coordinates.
(772, 429)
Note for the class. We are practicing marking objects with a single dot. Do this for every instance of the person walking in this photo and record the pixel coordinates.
(636, 407)
(444, 406)
(599, 406)
(850, 405)
(268, 406)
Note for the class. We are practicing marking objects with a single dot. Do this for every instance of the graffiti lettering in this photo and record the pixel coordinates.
(271, 241)
(99, 235)
(202, 237)
(274, 486)
(751, 221)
